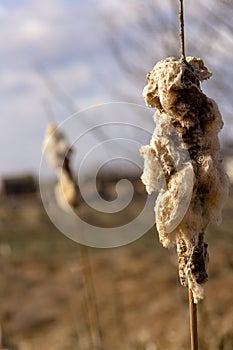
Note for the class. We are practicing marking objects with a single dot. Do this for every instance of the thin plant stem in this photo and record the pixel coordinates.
(90, 299)
(88, 284)
(193, 321)
(48, 111)
(182, 45)
(121, 323)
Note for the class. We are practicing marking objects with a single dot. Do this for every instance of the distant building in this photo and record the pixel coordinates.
(19, 185)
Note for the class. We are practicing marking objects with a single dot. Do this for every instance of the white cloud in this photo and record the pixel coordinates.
(46, 32)
(34, 30)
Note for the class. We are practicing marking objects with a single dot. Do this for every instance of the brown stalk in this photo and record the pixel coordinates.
(90, 298)
(182, 45)
(192, 305)
(87, 277)
(193, 321)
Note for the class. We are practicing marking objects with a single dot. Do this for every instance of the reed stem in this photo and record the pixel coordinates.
(193, 321)
(182, 45)
(90, 299)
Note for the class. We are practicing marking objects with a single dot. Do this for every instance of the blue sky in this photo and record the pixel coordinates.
(62, 36)
(72, 40)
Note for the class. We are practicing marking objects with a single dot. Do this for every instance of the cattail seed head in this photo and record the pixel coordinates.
(183, 163)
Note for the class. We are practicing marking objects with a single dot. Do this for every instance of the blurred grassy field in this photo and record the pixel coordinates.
(140, 301)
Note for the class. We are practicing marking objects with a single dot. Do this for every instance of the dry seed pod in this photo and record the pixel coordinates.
(152, 176)
(58, 153)
(172, 204)
(66, 192)
(55, 146)
(194, 188)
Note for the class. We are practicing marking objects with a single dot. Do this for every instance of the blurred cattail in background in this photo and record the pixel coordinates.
(58, 153)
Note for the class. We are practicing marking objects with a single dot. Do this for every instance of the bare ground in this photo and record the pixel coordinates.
(140, 302)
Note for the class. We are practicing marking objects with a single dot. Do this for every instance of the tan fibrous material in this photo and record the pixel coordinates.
(55, 146)
(183, 163)
(58, 153)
